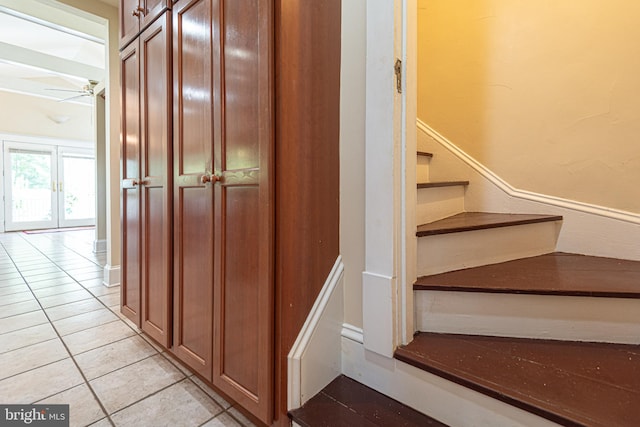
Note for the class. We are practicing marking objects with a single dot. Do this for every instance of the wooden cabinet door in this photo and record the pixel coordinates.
(152, 9)
(129, 14)
(194, 123)
(243, 254)
(130, 173)
(155, 189)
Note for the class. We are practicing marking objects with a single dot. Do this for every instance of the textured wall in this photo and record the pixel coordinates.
(544, 93)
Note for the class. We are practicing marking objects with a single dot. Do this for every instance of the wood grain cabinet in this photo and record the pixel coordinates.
(146, 171)
(223, 195)
(230, 112)
(136, 15)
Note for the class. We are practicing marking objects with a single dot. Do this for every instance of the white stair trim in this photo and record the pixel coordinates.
(314, 360)
(554, 317)
(603, 211)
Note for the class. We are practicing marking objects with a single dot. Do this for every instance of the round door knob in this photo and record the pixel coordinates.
(209, 178)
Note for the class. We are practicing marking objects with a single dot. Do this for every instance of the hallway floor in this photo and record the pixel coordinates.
(63, 340)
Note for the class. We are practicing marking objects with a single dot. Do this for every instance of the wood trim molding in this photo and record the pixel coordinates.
(615, 214)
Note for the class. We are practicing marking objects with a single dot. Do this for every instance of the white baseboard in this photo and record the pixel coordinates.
(111, 275)
(446, 401)
(99, 246)
(315, 358)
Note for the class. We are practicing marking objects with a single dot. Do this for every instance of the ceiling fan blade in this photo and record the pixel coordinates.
(72, 98)
(65, 90)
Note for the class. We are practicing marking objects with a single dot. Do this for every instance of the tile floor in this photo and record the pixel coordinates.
(63, 340)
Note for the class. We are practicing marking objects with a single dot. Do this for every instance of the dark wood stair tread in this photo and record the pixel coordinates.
(469, 221)
(551, 274)
(581, 384)
(425, 154)
(346, 403)
(442, 184)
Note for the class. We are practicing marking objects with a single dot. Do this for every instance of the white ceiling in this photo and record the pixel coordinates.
(49, 51)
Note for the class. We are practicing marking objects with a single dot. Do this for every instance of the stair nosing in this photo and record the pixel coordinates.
(442, 184)
(505, 223)
(514, 279)
(425, 154)
(550, 292)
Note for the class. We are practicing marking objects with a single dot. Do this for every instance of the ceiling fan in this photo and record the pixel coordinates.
(86, 90)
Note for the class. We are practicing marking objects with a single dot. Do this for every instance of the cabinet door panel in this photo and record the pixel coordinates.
(129, 21)
(130, 172)
(243, 273)
(152, 9)
(193, 204)
(155, 70)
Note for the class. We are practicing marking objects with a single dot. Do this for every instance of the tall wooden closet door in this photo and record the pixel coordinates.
(193, 192)
(130, 197)
(243, 280)
(155, 134)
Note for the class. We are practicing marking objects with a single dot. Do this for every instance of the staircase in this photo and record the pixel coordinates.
(500, 312)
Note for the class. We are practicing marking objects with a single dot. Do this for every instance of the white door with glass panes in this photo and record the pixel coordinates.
(48, 186)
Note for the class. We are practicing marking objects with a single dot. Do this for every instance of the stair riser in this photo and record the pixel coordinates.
(455, 251)
(438, 203)
(422, 169)
(610, 320)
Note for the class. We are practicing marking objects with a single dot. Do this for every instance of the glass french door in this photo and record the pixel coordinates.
(48, 186)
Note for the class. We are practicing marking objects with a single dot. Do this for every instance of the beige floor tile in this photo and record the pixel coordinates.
(109, 358)
(25, 337)
(51, 283)
(83, 407)
(19, 308)
(21, 321)
(182, 404)
(223, 420)
(134, 382)
(240, 417)
(102, 423)
(39, 383)
(221, 401)
(92, 282)
(11, 282)
(110, 299)
(27, 358)
(104, 290)
(98, 336)
(73, 309)
(9, 290)
(56, 290)
(34, 278)
(65, 298)
(87, 276)
(84, 321)
(14, 298)
(126, 320)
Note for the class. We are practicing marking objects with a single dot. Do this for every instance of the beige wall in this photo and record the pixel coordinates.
(352, 155)
(112, 107)
(31, 116)
(544, 93)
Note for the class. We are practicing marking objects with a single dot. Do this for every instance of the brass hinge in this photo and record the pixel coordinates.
(398, 69)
